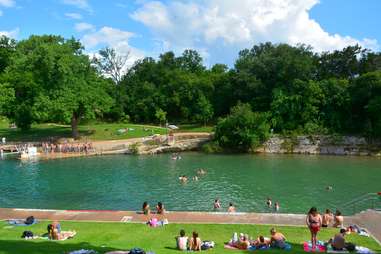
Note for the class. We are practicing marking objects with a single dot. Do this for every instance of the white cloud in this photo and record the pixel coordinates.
(208, 24)
(73, 15)
(7, 3)
(81, 4)
(11, 34)
(81, 27)
(113, 38)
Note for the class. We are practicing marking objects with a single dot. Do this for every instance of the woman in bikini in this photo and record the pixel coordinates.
(314, 222)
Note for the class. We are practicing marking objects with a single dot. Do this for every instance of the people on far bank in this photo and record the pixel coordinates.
(314, 222)
(48, 147)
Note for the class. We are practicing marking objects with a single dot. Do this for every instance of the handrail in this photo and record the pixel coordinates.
(362, 198)
(370, 198)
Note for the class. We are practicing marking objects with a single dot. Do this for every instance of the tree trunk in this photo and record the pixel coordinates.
(74, 127)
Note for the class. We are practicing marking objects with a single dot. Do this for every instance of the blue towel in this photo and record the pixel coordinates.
(20, 222)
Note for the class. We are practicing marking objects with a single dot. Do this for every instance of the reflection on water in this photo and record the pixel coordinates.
(124, 182)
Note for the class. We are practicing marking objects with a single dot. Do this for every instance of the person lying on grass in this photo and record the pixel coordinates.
(261, 242)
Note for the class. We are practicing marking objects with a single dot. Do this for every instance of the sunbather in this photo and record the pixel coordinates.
(195, 242)
(160, 208)
(313, 221)
(182, 240)
(278, 240)
(327, 218)
(261, 242)
(146, 209)
(338, 241)
(339, 220)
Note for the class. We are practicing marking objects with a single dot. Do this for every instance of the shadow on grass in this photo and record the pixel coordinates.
(46, 133)
(41, 247)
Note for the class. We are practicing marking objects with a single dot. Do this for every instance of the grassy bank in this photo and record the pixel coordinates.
(94, 131)
(104, 237)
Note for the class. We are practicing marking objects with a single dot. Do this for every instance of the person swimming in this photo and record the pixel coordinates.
(183, 178)
(276, 207)
(217, 204)
(201, 171)
(269, 202)
(231, 208)
(195, 178)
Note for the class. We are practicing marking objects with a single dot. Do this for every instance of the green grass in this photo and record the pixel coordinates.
(104, 237)
(195, 128)
(93, 131)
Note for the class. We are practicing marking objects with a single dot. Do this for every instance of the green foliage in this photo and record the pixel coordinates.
(161, 115)
(212, 147)
(243, 130)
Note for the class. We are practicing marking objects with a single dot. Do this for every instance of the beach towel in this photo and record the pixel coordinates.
(363, 250)
(331, 250)
(67, 235)
(307, 247)
(83, 251)
(20, 222)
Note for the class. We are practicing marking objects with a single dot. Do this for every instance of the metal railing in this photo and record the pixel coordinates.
(362, 203)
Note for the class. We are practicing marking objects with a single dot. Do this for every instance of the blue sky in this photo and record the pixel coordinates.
(218, 29)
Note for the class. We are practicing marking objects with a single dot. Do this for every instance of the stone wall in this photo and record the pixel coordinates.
(335, 145)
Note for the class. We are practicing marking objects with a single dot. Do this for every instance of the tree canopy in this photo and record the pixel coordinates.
(285, 88)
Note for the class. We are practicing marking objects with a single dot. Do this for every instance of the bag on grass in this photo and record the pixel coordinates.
(137, 251)
(29, 220)
(27, 234)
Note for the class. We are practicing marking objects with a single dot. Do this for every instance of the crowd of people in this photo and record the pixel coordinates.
(48, 147)
(315, 221)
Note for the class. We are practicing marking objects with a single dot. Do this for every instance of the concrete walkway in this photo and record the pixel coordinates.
(371, 220)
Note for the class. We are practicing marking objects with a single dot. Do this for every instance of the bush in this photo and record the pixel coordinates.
(243, 130)
(211, 147)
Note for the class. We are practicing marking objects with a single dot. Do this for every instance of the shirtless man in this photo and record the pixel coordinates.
(339, 220)
(338, 241)
(327, 218)
(231, 208)
(278, 240)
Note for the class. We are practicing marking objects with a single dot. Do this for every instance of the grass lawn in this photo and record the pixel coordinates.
(95, 131)
(104, 237)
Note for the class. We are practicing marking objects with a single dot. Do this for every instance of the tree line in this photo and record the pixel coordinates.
(278, 86)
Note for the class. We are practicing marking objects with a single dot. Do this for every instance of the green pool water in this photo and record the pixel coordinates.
(124, 182)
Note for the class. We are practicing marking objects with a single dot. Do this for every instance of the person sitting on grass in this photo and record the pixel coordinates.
(277, 240)
(339, 220)
(146, 209)
(182, 240)
(338, 241)
(55, 233)
(327, 218)
(160, 208)
(261, 242)
(195, 242)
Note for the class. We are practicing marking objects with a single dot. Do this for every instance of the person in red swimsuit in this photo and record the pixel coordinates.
(313, 222)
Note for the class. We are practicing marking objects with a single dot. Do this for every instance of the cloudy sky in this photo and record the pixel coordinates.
(218, 29)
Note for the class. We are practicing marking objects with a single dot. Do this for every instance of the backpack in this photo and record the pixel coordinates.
(27, 234)
(29, 220)
(137, 251)
(350, 247)
(207, 245)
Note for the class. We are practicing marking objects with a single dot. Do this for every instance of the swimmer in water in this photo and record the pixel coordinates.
(201, 171)
(195, 178)
(217, 204)
(328, 188)
(183, 178)
(269, 202)
(276, 207)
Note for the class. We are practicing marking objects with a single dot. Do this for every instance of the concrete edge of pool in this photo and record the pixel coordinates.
(371, 220)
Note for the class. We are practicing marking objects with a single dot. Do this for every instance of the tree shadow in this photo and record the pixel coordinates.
(47, 246)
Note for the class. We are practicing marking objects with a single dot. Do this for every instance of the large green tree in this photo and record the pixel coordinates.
(54, 81)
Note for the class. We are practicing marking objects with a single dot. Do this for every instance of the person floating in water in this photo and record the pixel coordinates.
(201, 171)
(269, 202)
(217, 204)
(329, 188)
(195, 178)
(276, 207)
(231, 208)
(176, 156)
(183, 178)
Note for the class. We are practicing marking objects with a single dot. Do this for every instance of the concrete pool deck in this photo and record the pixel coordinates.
(371, 220)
